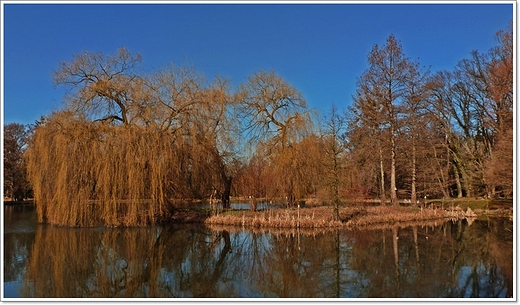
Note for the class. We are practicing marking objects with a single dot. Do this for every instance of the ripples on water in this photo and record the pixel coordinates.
(448, 260)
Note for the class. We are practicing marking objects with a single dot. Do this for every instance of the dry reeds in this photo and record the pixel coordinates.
(287, 218)
(350, 217)
(393, 215)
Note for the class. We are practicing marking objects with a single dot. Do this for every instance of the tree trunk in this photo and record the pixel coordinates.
(382, 190)
(226, 203)
(393, 188)
(414, 192)
(457, 180)
(466, 182)
(336, 188)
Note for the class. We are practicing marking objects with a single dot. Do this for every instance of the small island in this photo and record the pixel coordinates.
(358, 215)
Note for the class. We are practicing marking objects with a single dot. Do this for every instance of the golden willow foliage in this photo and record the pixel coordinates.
(92, 173)
(128, 145)
(105, 264)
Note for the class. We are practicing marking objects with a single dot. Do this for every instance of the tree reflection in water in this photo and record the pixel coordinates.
(451, 260)
(19, 232)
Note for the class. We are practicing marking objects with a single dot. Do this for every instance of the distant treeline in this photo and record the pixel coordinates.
(127, 145)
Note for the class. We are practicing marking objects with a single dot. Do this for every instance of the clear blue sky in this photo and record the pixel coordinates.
(320, 49)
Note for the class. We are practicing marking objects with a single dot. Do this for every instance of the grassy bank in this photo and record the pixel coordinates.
(473, 203)
(482, 207)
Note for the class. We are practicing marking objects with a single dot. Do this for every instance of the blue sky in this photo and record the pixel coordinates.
(321, 49)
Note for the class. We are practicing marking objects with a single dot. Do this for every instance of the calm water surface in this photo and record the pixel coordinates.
(447, 260)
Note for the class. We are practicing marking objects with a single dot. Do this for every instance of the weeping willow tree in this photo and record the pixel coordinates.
(88, 174)
(127, 145)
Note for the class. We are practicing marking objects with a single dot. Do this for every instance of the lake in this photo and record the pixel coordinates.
(434, 260)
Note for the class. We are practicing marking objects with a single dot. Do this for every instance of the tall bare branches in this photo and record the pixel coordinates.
(99, 84)
(381, 90)
(274, 114)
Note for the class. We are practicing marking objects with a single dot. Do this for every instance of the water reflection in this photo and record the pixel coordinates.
(19, 232)
(452, 260)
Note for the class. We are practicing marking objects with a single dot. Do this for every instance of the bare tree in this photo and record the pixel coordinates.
(272, 109)
(217, 135)
(334, 129)
(15, 177)
(382, 87)
(473, 104)
(365, 133)
(414, 110)
(500, 74)
(274, 112)
(101, 85)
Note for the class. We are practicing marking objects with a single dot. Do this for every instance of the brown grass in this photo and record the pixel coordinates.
(322, 217)
(285, 218)
(390, 215)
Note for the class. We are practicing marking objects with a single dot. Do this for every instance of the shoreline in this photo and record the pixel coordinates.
(322, 217)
